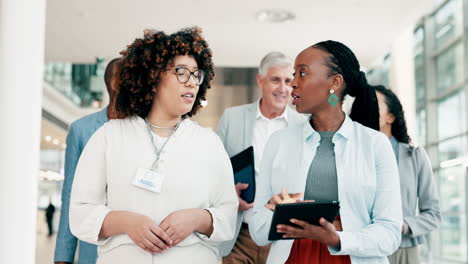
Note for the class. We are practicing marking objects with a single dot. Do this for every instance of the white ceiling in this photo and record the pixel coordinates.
(80, 30)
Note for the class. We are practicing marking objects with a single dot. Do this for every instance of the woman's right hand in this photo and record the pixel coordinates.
(283, 198)
(146, 234)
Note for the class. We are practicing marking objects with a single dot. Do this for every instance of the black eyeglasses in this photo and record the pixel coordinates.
(183, 75)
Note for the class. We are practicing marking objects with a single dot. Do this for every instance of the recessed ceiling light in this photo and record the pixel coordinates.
(64, 146)
(48, 138)
(55, 141)
(95, 104)
(275, 16)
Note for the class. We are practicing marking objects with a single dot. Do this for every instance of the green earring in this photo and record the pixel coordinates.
(333, 99)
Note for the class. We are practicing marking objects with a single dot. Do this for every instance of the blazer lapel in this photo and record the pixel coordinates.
(403, 163)
(249, 123)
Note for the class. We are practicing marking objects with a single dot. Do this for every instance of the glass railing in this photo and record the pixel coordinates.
(83, 84)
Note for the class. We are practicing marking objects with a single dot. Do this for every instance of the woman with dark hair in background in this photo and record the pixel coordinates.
(156, 187)
(418, 190)
(331, 157)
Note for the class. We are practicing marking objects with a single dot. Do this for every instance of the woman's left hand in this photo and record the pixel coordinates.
(325, 233)
(180, 224)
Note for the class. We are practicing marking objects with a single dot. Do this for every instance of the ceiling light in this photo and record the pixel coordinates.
(64, 146)
(55, 141)
(48, 138)
(275, 16)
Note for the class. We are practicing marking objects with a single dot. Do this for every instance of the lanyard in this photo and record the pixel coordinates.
(158, 153)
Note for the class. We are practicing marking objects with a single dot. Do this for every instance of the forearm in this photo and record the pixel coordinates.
(66, 242)
(423, 223)
(259, 226)
(205, 222)
(115, 223)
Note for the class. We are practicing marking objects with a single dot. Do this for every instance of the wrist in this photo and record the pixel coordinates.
(405, 228)
(336, 242)
(201, 219)
(204, 222)
(127, 220)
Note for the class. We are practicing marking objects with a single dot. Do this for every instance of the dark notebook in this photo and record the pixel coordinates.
(244, 172)
(310, 212)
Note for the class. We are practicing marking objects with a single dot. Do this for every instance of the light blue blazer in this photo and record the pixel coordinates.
(80, 132)
(236, 129)
(368, 189)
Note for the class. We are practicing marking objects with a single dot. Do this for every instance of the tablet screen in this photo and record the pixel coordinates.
(310, 212)
(244, 172)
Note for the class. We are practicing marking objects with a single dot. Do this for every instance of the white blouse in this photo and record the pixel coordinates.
(197, 174)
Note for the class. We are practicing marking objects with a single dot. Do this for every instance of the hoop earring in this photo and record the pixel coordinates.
(333, 99)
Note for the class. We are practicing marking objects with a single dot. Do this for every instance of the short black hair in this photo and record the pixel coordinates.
(108, 74)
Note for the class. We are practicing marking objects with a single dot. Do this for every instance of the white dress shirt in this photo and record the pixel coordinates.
(263, 129)
(197, 174)
(368, 189)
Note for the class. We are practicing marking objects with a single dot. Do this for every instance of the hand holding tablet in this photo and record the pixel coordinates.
(298, 219)
(325, 233)
(243, 166)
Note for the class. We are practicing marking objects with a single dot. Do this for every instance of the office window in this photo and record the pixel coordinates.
(451, 116)
(448, 23)
(59, 76)
(379, 74)
(419, 79)
(449, 68)
(439, 73)
(83, 84)
(452, 205)
(452, 148)
(421, 127)
(419, 65)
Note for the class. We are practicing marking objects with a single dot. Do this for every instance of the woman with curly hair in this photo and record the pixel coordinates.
(418, 190)
(156, 187)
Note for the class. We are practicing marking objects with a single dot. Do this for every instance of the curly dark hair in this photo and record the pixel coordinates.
(146, 58)
(399, 130)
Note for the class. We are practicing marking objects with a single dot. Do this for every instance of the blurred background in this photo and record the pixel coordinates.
(53, 54)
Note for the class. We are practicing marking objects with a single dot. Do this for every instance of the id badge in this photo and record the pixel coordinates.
(148, 179)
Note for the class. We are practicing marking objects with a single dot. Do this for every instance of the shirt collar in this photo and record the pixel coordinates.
(344, 131)
(259, 114)
(394, 142)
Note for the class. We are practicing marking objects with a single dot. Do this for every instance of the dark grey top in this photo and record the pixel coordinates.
(322, 183)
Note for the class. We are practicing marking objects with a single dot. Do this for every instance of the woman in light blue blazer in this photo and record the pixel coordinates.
(331, 156)
(418, 190)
